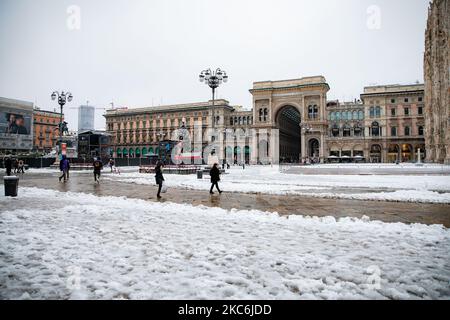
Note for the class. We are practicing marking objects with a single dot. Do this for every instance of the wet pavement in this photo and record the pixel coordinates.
(283, 204)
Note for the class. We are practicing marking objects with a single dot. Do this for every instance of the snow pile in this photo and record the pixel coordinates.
(267, 180)
(80, 246)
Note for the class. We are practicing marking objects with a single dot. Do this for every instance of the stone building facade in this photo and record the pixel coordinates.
(46, 130)
(137, 132)
(294, 110)
(346, 131)
(291, 121)
(437, 82)
(394, 123)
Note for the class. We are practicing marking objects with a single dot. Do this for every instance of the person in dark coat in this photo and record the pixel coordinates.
(159, 178)
(98, 166)
(8, 165)
(215, 178)
(64, 167)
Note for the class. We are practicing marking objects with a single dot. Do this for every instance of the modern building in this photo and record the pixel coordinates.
(437, 82)
(291, 121)
(46, 129)
(94, 143)
(394, 123)
(86, 118)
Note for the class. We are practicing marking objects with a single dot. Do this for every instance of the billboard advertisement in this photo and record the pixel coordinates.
(16, 125)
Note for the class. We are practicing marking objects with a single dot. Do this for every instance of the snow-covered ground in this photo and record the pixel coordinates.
(73, 245)
(269, 180)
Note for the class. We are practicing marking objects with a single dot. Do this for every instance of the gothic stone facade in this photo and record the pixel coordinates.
(437, 82)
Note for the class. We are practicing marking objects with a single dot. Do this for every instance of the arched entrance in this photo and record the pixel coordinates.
(375, 153)
(313, 148)
(288, 122)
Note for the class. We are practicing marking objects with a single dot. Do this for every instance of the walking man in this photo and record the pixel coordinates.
(159, 178)
(215, 178)
(64, 167)
(98, 166)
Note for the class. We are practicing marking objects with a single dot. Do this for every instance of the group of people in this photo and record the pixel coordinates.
(13, 164)
(214, 174)
(64, 167)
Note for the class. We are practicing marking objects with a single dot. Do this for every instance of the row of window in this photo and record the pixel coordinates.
(240, 120)
(406, 111)
(346, 115)
(376, 131)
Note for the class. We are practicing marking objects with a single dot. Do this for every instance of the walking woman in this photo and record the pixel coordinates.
(159, 178)
(215, 178)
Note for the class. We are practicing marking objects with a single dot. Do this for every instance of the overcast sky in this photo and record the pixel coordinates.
(149, 52)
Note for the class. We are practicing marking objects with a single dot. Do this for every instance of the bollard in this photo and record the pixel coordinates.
(11, 186)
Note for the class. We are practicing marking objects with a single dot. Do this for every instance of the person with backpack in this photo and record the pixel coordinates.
(98, 166)
(159, 178)
(64, 168)
(215, 178)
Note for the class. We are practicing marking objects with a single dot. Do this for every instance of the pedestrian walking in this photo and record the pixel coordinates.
(215, 178)
(159, 178)
(98, 166)
(21, 166)
(64, 168)
(111, 164)
(8, 165)
(16, 165)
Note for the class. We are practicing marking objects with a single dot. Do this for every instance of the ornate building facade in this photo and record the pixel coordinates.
(437, 82)
(295, 111)
(394, 123)
(291, 121)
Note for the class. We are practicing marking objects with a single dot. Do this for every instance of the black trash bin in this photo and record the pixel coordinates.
(11, 186)
(199, 174)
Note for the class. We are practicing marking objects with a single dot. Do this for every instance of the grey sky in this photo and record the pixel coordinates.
(143, 52)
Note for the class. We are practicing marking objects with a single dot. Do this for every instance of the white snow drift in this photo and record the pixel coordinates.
(70, 245)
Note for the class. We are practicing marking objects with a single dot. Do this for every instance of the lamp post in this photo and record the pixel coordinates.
(63, 97)
(213, 79)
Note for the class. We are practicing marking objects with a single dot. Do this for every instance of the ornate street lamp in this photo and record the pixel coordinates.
(213, 79)
(63, 98)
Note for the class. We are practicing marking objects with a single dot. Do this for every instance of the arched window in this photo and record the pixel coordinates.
(355, 115)
(407, 131)
(344, 115)
(231, 121)
(377, 112)
(420, 130)
(372, 112)
(260, 115)
(235, 120)
(360, 115)
(333, 116)
(338, 116)
(313, 112)
(335, 131)
(249, 120)
(266, 113)
(393, 131)
(244, 120)
(357, 130)
(375, 129)
(346, 131)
